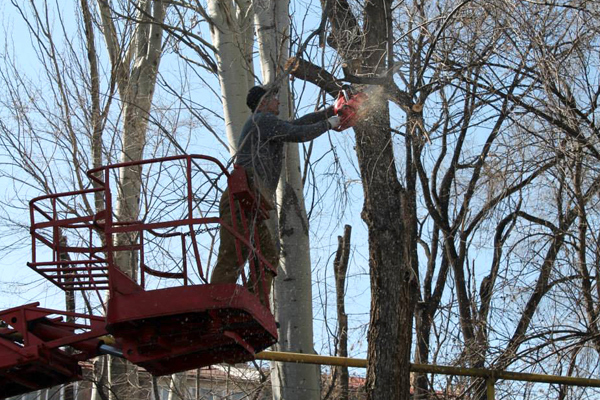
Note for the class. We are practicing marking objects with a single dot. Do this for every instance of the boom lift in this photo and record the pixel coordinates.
(165, 317)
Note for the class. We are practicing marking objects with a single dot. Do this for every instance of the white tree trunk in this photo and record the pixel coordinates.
(137, 104)
(293, 285)
(233, 42)
(293, 288)
(232, 36)
(269, 37)
(136, 85)
(136, 70)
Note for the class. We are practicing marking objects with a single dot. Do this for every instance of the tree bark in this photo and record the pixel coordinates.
(340, 267)
(135, 70)
(96, 112)
(389, 212)
(293, 289)
(292, 295)
(137, 103)
(232, 36)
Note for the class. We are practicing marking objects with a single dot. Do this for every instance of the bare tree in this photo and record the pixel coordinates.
(473, 153)
(534, 131)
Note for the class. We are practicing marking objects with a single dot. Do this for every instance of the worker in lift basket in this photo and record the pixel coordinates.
(261, 153)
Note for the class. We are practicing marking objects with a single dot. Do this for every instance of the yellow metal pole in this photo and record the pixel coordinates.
(430, 369)
(311, 359)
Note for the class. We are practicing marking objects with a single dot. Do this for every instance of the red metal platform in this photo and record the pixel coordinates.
(166, 317)
(190, 326)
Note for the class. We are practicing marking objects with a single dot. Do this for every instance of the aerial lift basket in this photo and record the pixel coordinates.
(162, 311)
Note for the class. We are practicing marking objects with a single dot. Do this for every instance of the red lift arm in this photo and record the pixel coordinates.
(32, 347)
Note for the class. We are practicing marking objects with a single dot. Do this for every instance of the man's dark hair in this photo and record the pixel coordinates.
(254, 96)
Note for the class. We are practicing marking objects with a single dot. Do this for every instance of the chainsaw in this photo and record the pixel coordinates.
(347, 107)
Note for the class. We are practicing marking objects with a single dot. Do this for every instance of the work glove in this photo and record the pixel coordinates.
(334, 122)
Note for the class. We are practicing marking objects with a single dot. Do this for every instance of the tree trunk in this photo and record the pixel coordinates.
(293, 284)
(136, 83)
(177, 387)
(424, 314)
(137, 104)
(70, 306)
(293, 289)
(232, 36)
(96, 113)
(389, 209)
(389, 212)
(392, 304)
(340, 267)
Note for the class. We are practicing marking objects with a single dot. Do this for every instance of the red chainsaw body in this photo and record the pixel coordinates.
(347, 107)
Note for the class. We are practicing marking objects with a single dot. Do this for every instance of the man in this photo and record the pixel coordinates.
(261, 153)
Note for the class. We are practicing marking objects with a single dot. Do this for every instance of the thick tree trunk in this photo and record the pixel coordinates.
(392, 304)
(389, 212)
(232, 36)
(293, 285)
(136, 82)
(293, 289)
